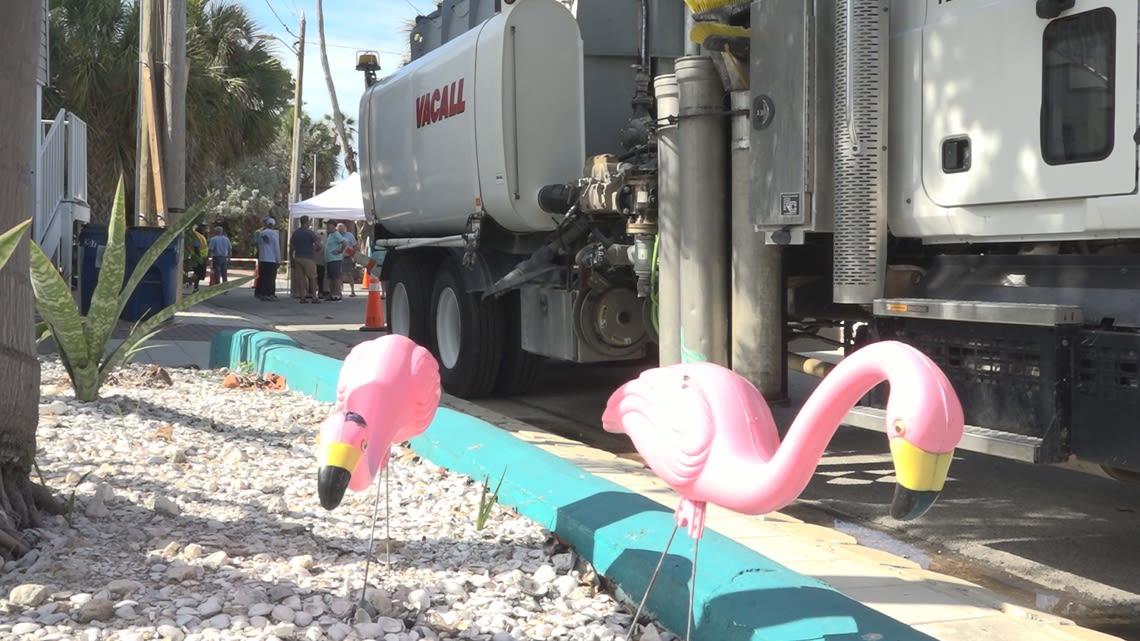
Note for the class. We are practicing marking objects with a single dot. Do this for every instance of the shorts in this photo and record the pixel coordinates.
(332, 269)
(307, 267)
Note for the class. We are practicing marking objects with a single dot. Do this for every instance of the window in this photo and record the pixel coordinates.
(1078, 102)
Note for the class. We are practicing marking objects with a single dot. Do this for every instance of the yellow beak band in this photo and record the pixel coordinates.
(341, 455)
(917, 469)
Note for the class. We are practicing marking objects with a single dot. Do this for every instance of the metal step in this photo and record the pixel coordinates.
(1018, 447)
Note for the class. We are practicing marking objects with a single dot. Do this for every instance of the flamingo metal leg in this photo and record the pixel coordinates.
(652, 579)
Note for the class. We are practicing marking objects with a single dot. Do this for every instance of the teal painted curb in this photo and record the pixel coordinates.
(740, 595)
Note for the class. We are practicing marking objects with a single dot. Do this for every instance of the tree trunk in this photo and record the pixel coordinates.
(19, 395)
(338, 117)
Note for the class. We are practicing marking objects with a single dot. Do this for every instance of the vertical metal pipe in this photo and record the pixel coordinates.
(668, 223)
(691, 48)
(759, 352)
(702, 137)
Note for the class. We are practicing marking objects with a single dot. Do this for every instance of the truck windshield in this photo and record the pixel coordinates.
(1079, 88)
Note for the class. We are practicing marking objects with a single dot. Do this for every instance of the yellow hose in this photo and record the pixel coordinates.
(810, 366)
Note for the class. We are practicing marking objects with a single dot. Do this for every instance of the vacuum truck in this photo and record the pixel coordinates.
(609, 180)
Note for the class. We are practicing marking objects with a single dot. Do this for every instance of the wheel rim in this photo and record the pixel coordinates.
(447, 327)
(401, 310)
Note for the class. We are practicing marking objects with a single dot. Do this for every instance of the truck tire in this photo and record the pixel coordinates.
(467, 335)
(407, 300)
(519, 369)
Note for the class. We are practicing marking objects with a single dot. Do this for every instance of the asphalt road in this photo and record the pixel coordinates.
(1045, 537)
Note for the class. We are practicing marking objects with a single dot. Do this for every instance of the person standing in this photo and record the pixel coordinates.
(268, 258)
(303, 246)
(334, 252)
(220, 251)
(348, 268)
(196, 253)
(322, 282)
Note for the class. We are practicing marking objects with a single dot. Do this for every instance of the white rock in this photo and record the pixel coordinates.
(216, 560)
(544, 575)
(171, 633)
(29, 594)
(25, 627)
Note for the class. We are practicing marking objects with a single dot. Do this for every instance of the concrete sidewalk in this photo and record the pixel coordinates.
(932, 604)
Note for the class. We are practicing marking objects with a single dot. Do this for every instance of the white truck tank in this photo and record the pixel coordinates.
(479, 124)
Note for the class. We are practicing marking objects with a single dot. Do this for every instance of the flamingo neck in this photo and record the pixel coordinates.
(791, 468)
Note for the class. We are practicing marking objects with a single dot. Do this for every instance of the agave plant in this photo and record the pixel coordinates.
(10, 240)
(82, 340)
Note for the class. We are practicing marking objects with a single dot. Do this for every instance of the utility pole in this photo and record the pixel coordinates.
(175, 78)
(295, 166)
(295, 161)
(144, 204)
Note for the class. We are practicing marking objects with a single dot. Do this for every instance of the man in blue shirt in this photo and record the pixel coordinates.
(268, 258)
(334, 252)
(220, 251)
(303, 244)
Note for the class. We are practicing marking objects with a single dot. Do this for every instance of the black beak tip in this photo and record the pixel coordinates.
(910, 504)
(331, 484)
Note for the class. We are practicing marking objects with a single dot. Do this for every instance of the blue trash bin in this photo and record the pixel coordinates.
(92, 243)
(156, 289)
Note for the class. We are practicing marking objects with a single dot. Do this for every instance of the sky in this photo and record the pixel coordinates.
(350, 26)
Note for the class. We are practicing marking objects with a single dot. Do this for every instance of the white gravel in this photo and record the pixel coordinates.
(195, 518)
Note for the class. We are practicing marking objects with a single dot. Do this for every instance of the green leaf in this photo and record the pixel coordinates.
(105, 300)
(57, 307)
(10, 240)
(154, 251)
(147, 328)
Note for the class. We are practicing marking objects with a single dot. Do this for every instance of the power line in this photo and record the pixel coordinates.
(414, 7)
(283, 25)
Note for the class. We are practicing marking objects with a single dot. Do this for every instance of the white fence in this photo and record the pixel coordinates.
(61, 187)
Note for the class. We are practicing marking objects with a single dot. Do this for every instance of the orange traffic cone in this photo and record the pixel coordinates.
(213, 278)
(374, 309)
(364, 279)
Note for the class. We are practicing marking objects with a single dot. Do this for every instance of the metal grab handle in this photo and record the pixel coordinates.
(852, 129)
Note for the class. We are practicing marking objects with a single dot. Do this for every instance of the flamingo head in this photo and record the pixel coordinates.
(924, 424)
(341, 445)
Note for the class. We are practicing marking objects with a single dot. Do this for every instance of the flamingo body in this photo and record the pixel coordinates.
(387, 392)
(708, 433)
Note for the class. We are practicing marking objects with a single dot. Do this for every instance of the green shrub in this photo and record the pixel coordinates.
(82, 340)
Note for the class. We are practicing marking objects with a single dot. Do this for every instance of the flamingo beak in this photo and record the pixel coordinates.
(338, 460)
(921, 476)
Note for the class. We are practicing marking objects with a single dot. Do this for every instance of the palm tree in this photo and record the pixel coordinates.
(235, 91)
(338, 116)
(238, 89)
(19, 369)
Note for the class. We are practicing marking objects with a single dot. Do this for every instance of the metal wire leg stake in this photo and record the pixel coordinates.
(652, 579)
(372, 534)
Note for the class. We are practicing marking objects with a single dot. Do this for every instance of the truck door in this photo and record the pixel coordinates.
(1022, 107)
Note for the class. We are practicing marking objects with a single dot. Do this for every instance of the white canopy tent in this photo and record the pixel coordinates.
(342, 201)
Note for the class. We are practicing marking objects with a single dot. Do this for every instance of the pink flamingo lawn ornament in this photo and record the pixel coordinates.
(387, 392)
(709, 435)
